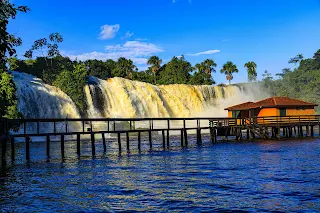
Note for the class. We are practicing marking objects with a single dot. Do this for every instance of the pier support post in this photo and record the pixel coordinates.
(198, 136)
(139, 141)
(295, 131)
(211, 135)
(186, 137)
(248, 134)
(78, 144)
(279, 135)
(119, 142)
(181, 140)
(48, 146)
(62, 146)
(12, 148)
(163, 140)
(27, 148)
(128, 145)
(150, 139)
(168, 139)
(311, 131)
(104, 143)
(307, 130)
(93, 146)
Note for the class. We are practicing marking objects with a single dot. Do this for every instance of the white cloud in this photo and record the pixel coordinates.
(134, 50)
(109, 31)
(224, 40)
(128, 35)
(208, 52)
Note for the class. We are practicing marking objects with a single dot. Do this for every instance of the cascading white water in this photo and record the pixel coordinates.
(118, 97)
(39, 100)
(122, 98)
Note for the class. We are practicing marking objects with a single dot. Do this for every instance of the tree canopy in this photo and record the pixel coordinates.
(228, 69)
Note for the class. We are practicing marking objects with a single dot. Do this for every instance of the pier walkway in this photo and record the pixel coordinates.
(274, 127)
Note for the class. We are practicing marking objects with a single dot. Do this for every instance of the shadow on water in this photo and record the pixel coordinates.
(246, 176)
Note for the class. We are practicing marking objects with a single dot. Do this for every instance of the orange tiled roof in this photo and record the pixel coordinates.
(243, 106)
(271, 102)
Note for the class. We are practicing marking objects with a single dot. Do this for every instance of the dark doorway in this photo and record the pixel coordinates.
(283, 112)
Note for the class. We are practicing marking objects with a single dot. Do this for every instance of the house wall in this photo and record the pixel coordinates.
(229, 114)
(264, 112)
(295, 112)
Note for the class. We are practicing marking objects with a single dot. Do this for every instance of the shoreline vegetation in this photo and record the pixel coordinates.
(44, 61)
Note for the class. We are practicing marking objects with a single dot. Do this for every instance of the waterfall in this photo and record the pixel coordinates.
(122, 98)
(39, 100)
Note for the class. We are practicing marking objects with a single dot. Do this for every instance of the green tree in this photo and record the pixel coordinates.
(296, 59)
(155, 63)
(49, 50)
(177, 71)
(8, 42)
(228, 69)
(252, 70)
(72, 83)
(203, 75)
(123, 68)
(100, 69)
(317, 56)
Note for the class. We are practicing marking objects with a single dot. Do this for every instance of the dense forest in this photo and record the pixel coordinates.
(44, 60)
(302, 82)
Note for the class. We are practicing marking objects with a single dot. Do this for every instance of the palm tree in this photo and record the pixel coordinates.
(155, 63)
(252, 70)
(126, 67)
(229, 68)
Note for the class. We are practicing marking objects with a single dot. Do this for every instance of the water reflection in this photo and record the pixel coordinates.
(257, 176)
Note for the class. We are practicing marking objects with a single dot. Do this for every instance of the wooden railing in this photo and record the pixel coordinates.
(69, 126)
(293, 120)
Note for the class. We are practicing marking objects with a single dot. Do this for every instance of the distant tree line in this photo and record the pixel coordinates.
(301, 82)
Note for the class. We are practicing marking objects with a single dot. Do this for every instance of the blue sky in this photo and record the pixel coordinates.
(267, 32)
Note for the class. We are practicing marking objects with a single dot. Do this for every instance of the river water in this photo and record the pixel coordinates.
(255, 176)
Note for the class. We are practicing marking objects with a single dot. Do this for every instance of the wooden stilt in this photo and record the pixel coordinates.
(78, 144)
(27, 148)
(128, 145)
(212, 135)
(48, 146)
(248, 134)
(181, 139)
(139, 141)
(62, 146)
(163, 140)
(104, 143)
(150, 139)
(168, 139)
(311, 131)
(186, 137)
(119, 142)
(93, 146)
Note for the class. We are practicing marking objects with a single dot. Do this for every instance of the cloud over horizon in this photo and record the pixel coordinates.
(108, 31)
(208, 52)
(134, 50)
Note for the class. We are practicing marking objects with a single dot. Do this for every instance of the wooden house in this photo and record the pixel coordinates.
(274, 106)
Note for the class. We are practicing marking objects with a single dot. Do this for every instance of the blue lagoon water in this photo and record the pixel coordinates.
(277, 176)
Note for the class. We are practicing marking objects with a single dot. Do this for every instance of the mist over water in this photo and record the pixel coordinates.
(122, 98)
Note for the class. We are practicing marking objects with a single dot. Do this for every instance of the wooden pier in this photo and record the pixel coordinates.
(257, 127)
